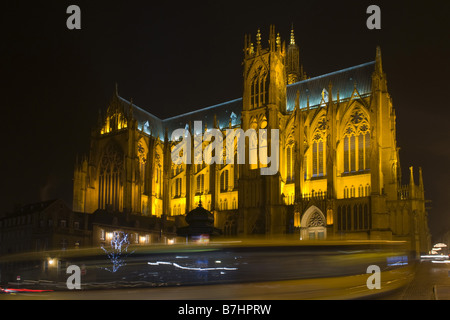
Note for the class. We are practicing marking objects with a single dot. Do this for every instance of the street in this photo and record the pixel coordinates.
(429, 277)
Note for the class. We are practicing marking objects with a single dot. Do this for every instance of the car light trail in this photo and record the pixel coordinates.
(157, 263)
(9, 290)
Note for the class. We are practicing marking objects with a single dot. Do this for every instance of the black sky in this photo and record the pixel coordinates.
(174, 57)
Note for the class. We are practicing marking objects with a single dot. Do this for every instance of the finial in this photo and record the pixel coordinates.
(249, 50)
(278, 41)
(200, 202)
(258, 38)
(292, 34)
(117, 89)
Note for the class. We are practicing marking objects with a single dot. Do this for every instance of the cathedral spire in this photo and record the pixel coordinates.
(292, 35)
(293, 70)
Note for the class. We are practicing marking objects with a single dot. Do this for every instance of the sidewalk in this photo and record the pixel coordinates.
(431, 282)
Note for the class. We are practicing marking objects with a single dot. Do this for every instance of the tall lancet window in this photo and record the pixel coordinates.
(288, 164)
(357, 143)
(142, 155)
(110, 184)
(290, 161)
(318, 149)
(200, 184)
(224, 181)
(259, 89)
(158, 172)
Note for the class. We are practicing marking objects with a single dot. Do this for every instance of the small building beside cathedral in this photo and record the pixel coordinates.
(339, 174)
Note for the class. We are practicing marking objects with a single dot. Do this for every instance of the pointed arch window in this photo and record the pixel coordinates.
(356, 143)
(259, 89)
(344, 218)
(367, 223)
(318, 149)
(224, 181)
(290, 162)
(355, 217)
(200, 183)
(367, 188)
(110, 185)
(142, 152)
(177, 187)
(158, 172)
(349, 218)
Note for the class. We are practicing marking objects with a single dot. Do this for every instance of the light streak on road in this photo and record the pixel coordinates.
(157, 263)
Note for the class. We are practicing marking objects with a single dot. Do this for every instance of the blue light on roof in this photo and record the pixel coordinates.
(311, 89)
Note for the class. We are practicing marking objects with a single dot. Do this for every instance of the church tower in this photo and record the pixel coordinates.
(264, 104)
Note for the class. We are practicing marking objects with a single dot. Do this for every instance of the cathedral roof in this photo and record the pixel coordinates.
(145, 119)
(344, 81)
(223, 113)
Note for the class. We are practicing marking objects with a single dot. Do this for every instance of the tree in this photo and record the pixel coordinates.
(118, 252)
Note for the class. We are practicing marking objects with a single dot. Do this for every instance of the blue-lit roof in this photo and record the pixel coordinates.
(145, 119)
(343, 81)
(222, 111)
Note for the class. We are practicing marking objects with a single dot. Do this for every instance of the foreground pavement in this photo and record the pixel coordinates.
(431, 282)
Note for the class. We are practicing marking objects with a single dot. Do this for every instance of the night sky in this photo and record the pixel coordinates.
(176, 57)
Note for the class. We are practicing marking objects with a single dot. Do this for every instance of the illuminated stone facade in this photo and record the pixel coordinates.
(339, 175)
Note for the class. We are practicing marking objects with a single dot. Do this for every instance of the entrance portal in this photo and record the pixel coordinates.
(313, 226)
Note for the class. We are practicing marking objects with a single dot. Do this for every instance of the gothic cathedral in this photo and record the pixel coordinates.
(339, 171)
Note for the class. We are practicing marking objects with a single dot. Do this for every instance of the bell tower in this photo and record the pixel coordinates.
(264, 104)
(264, 73)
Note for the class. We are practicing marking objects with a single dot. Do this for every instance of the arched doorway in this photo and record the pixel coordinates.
(313, 225)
